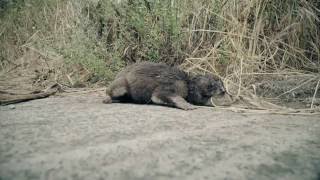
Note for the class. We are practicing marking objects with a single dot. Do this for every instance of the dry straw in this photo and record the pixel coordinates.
(244, 42)
(255, 42)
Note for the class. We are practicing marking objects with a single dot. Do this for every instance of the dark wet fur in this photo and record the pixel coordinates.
(158, 83)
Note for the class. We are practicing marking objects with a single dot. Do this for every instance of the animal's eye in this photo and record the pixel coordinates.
(211, 86)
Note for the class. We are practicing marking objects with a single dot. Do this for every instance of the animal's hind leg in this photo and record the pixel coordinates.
(172, 100)
(116, 91)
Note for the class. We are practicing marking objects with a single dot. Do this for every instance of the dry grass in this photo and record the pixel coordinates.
(249, 46)
(244, 42)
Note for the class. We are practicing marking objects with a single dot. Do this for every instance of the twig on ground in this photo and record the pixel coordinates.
(297, 87)
(315, 93)
(26, 97)
(304, 112)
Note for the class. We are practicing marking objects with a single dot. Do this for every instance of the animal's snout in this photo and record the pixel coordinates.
(222, 92)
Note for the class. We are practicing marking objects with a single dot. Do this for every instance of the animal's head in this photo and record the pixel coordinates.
(203, 87)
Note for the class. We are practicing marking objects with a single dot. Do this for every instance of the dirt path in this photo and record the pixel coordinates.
(78, 137)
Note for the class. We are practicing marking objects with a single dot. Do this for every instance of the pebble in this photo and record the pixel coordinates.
(12, 106)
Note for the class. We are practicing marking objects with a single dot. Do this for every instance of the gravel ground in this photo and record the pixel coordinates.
(78, 137)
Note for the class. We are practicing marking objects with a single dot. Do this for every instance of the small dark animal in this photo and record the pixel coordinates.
(161, 84)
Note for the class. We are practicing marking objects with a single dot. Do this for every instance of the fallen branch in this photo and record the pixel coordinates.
(243, 110)
(27, 97)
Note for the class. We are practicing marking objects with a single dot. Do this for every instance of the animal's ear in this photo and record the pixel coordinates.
(213, 76)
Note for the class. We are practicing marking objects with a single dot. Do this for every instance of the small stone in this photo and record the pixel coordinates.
(12, 106)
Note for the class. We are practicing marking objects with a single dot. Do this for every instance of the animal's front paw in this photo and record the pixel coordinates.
(189, 107)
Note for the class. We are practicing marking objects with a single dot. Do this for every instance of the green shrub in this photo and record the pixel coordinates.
(233, 39)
